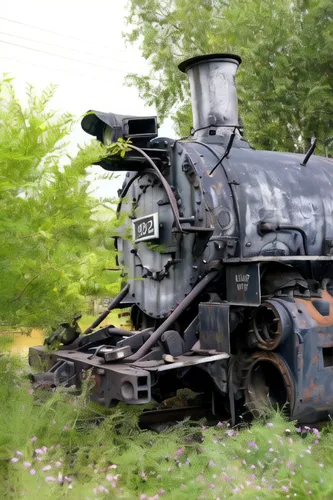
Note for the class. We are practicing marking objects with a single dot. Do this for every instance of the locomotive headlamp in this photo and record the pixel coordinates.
(109, 127)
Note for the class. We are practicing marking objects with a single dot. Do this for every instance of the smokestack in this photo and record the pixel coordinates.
(214, 95)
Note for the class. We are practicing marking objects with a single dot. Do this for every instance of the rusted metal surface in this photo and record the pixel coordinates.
(271, 325)
(308, 351)
(315, 314)
(268, 382)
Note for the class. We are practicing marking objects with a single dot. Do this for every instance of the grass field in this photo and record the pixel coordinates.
(58, 445)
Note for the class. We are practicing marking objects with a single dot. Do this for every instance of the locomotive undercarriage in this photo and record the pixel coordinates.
(271, 347)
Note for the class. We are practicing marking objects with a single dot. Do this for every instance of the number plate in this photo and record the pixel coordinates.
(145, 228)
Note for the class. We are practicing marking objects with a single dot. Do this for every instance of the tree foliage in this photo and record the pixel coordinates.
(285, 82)
(54, 246)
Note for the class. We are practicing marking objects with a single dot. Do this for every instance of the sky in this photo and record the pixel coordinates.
(77, 45)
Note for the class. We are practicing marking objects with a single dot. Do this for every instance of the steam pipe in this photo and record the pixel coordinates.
(172, 318)
(113, 304)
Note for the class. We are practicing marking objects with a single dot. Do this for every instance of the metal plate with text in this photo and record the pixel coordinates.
(243, 284)
(145, 228)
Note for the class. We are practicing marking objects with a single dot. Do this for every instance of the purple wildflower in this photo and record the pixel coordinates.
(50, 479)
(14, 459)
(270, 424)
(103, 489)
(31, 391)
(212, 486)
(58, 464)
(19, 453)
(252, 466)
(252, 444)
(204, 427)
(47, 467)
(316, 433)
(33, 439)
(66, 428)
(230, 433)
(180, 451)
(27, 464)
(271, 450)
(219, 424)
(32, 472)
(161, 492)
(285, 488)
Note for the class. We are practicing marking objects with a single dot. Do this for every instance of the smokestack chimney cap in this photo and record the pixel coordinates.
(189, 63)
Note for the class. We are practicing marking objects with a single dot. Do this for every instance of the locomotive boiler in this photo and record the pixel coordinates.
(227, 258)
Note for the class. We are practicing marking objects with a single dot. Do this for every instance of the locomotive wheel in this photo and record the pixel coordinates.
(268, 384)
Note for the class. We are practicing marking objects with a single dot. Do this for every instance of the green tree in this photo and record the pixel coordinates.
(54, 245)
(285, 82)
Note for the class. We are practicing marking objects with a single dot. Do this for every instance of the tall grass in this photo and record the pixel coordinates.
(58, 445)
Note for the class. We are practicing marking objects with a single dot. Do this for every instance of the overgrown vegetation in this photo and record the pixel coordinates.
(54, 246)
(58, 445)
(285, 82)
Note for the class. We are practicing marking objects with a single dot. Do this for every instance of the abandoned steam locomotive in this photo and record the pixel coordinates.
(228, 254)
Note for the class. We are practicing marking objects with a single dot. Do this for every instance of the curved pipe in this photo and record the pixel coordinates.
(166, 185)
(172, 318)
(268, 227)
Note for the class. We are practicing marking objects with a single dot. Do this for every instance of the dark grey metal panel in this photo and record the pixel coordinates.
(243, 284)
(214, 330)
